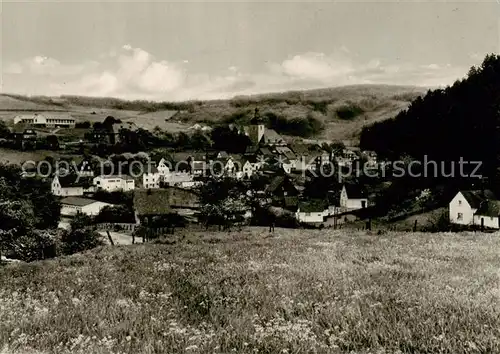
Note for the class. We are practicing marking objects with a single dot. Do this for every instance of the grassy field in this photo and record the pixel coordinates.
(247, 292)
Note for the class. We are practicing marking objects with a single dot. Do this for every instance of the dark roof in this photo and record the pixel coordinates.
(285, 151)
(354, 191)
(265, 151)
(314, 205)
(270, 135)
(124, 125)
(151, 169)
(74, 181)
(489, 208)
(275, 183)
(476, 197)
(77, 201)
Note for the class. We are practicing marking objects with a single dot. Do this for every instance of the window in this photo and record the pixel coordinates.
(459, 202)
(308, 214)
(460, 216)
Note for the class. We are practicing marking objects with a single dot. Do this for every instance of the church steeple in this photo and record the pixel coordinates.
(256, 120)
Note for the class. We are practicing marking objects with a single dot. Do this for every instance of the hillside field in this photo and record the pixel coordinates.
(297, 291)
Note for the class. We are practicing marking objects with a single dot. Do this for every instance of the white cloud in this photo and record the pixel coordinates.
(13, 68)
(135, 73)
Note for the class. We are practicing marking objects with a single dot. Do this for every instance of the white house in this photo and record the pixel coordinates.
(464, 208)
(66, 186)
(73, 205)
(151, 178)
(312, 212)
(163, 167)
(114, 183)
(352, 198)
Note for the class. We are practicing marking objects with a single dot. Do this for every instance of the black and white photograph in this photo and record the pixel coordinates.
(286, 177)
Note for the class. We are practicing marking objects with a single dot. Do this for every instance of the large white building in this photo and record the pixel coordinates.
(72, 206)
(49, 119)
(114, 183)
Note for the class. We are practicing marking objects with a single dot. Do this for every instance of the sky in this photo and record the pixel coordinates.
(162, 50)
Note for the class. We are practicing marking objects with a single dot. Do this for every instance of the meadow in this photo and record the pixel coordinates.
(297, 291)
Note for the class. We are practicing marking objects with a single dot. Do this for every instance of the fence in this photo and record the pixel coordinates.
(116, 227)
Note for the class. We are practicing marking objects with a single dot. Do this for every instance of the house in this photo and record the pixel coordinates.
(286, 152)
(151, 178)
(250, 166)
(272, 138)
(223, 166)
(24, 136)
(279, 191)
(488, 214)
(312, 212)
(71, 206)
(163, 167)
(260, 135)
(352, 197)
(464, 206)
(71, 185)
(347, 157)
(49, 120)
(114, 183)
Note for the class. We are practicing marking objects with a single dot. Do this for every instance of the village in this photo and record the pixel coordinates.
(172, 186)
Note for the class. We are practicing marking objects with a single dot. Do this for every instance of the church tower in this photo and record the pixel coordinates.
(256, 129)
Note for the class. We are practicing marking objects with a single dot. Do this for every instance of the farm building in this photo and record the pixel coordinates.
(114, 183)
(72, 206)
(71, 185)
(50, 120)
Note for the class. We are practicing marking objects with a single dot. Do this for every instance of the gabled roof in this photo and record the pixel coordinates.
(73, 181)
(78, 201)
(124, 125)
(270, 135)
(354, 191)
(313, 206)
(489, 208)
(265, 151)
(476, 197)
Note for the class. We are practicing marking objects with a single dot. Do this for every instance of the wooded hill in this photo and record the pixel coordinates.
(460, 121)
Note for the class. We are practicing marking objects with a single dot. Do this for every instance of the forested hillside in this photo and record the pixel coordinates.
(459, 122)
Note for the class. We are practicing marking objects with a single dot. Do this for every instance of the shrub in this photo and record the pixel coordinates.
(349, 112)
